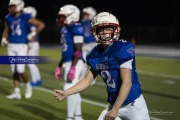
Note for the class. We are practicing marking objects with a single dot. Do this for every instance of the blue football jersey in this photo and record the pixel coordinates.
(18, 27)
(67, 43)
(30, 26)
(88, 37)
(107, 65)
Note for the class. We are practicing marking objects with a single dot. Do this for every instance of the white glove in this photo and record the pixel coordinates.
(31, 35)
(4, 41)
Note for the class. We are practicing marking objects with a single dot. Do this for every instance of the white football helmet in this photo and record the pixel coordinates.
(71, 13)
(90, 11)
(105, 19)
(18, 3)
(30, 10)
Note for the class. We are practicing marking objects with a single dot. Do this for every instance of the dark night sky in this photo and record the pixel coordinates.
(127, 11)
(149, 21)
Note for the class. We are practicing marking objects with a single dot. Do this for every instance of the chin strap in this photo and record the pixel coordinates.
(104, 39)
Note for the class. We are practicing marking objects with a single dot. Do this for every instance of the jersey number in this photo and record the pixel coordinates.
(63, 43)
(106, 75)
(16, 30)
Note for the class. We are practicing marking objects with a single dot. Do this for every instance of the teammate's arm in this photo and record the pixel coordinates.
(78, 41)
(60, 63)
(39, 27)
(77, 53)
(6, 31)
(5, 35)
(39, 24)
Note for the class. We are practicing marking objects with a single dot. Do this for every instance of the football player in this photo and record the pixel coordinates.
(88, 14)
(71, 61)
(15, 35)
(33, 48)
(114, 61)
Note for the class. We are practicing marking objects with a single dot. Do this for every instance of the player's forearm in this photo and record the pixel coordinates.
(75, 60)
(40, 27)
(5, 35)
(6, 31)
(123, 93)
(82, 84)
(79, 87)
(60, 63)
(77, 53)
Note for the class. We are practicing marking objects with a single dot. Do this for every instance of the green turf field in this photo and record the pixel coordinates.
(160, 80)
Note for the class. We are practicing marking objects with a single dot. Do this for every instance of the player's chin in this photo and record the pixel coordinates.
(60, 24)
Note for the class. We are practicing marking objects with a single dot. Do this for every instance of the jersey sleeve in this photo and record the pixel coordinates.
(77, 30)
(125, 54)
(7, 18)
(89, 56)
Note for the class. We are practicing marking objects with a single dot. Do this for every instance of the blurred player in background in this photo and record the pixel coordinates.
(15, 35)
(114, 61)
(88, 14)
(71, 61)
(33, 48)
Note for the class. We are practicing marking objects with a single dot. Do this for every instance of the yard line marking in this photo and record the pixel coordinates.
(83, 100)
(171, 82)
(51, 92)
(155, 118)
(100, 83)
(158, 74)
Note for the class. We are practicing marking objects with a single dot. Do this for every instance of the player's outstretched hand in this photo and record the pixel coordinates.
(59, 94)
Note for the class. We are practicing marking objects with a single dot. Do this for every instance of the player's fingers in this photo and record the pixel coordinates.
(59, 98)
(106, 118)
(112, 118)
(55, 94)
(57, 91)
(109, 118)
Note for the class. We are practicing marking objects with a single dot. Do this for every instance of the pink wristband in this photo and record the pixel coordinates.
(77, 53)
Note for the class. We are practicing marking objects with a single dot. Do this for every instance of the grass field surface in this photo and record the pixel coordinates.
(159, 77)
